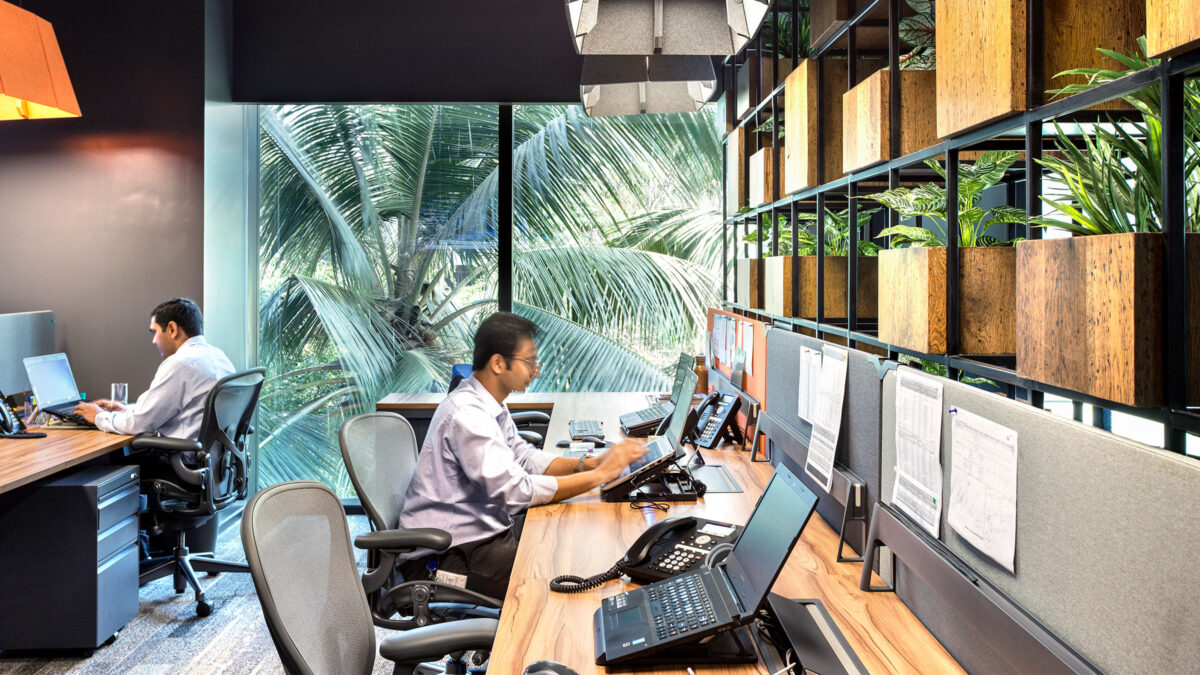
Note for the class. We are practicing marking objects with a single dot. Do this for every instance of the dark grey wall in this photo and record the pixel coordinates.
(103, 215)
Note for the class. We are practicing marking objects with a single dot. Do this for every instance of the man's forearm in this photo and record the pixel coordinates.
(565, 466)
(579, 483)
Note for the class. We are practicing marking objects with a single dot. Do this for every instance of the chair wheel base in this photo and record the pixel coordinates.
(203, 608)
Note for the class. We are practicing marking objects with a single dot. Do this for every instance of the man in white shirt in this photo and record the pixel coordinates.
(475, 476)
(174, 403)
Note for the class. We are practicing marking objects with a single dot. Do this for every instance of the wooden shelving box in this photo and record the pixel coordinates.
(745, 73)
(982, 60)
(1090, 315)
(836, 276)
(912, 299)
(748, 270)
(736, 195)
(827, 16)
(763, 188)
(866, 128)
(800, 123)
(779, 276)
(1172, 26)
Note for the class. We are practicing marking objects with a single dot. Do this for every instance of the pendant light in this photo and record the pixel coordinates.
(672, 27)
(33, 76)
(631, 85)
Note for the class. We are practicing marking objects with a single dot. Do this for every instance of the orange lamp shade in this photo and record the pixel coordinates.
(33, 77)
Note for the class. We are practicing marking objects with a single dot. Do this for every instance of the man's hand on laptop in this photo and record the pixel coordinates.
(615, 459)
(87, 411)
(111, 406)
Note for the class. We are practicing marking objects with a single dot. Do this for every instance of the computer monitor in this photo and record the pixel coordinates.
(22, 334)
(51, 379)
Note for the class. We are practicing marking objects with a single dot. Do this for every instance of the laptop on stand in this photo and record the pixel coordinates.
(643, 422)
(696, 607)
(54, 387)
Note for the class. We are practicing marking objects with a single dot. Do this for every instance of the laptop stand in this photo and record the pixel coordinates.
(805, 627)
(732, 646)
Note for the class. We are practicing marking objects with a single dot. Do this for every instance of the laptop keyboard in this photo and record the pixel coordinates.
(683, 606)
(656, 413)
(581, 428)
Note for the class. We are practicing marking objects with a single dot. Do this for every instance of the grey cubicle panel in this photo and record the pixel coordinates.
(1106, 541)
(23, 334)
(858, 443)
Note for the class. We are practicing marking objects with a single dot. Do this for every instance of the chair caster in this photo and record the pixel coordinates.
(212, 574)
(203, 608)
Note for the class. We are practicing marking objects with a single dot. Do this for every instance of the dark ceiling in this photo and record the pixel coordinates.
(403, 51)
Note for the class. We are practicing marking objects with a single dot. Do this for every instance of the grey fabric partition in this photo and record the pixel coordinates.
(858, 443)
(1106, 540)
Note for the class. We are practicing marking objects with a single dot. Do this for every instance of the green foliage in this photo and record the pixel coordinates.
(919, 31)
(837, 234)
(1115, 180)
(783, 29)
(929, 201)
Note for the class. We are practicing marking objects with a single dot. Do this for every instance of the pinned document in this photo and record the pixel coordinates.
(748, 346)
(918, 489)
(827, 417)
(983, 485)
(810, 368)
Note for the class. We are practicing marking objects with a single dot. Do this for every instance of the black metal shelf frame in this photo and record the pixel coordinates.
(1026, 131)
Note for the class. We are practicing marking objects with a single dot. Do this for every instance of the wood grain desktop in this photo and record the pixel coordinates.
(25, 460)
(585, 536)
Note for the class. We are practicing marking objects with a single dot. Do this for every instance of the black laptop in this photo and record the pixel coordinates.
(645, 421)
(691, 607)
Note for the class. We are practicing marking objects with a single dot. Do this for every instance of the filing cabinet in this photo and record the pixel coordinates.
(69, 559)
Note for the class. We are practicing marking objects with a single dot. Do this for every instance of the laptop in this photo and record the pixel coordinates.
(660, 452)
(692, 607)
(54, 386)
(644, 422)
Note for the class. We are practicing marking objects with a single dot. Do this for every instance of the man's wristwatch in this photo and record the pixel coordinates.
(579, 465)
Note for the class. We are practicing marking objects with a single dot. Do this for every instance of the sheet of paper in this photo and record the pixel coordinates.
(827, 417)
(748, 346)
(718, 340)
(983, 485)
(803, 397)
(918, 490)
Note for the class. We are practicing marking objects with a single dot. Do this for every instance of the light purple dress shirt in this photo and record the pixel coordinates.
(474, 471)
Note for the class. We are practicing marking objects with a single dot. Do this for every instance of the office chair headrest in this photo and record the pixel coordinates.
(548, 668)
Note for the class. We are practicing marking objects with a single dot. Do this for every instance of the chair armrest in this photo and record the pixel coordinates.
(530, 417)
(432, 642)
(163, 444)
(420, 537)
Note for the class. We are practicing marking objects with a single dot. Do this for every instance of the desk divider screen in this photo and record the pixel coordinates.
(857, 457)
(1106, 543)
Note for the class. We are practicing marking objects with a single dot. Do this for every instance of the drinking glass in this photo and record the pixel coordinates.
(120, 392)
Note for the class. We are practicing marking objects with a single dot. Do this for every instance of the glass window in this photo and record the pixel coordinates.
(616, 242)
(377, 249)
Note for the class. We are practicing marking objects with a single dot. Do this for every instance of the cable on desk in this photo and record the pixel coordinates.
(657, 506)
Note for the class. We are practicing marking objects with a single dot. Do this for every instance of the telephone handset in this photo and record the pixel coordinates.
(11, 425)
(669, 547)
(717, 420)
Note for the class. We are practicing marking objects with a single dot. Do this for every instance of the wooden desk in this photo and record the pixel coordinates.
(25, 460)
(585, 536)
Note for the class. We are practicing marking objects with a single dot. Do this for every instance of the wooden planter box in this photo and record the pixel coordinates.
(763, 188)
(779, 275)
(735, 184)
(1172, 26)
(1090, 315)
(866, 129)
(836, 276)
(981, 52)
(912, 299)
(827, 16)
(745, 74)
(748, 270)
(800, 124)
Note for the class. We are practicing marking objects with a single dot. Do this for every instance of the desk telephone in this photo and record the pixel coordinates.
(717, 420)
(11, 425)
(669, 547)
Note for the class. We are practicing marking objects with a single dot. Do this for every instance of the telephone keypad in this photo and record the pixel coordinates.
(686, 555)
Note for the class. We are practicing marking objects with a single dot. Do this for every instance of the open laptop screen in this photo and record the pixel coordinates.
(687, 364)
(668, 444)
(51, 380)
(774, 527)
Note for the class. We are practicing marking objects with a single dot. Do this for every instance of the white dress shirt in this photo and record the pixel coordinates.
(174, 403)
(475, 471)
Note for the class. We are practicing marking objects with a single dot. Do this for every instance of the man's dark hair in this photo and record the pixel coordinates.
(184, 312)
(499, 334)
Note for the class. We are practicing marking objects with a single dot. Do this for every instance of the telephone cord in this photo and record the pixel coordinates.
(569, 583)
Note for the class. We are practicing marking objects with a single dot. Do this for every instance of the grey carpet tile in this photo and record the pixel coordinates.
(166, 636)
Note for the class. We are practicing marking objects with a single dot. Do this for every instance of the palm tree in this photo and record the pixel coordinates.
(378, 254)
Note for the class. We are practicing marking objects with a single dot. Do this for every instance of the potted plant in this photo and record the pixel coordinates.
(1090, 314)
(777, 39)
(764, 187)
(780, 272)
(912, 280)
(866, 133)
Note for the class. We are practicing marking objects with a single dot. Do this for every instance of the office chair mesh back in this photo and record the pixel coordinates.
(380, 451)
(298, 548)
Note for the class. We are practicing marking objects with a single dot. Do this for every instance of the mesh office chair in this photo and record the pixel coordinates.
(298, 548)
(380, 452)
(188, 482)
(524, 420)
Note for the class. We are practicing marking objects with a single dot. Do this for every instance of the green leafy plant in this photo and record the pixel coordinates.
(919, 31)
(929, 201)
(1115, 180)
(780, 35)
(837, 234)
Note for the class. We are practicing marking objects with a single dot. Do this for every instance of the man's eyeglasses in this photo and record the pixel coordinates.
(532, 363)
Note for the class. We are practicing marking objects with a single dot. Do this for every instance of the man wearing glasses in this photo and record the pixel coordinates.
(475, 475)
